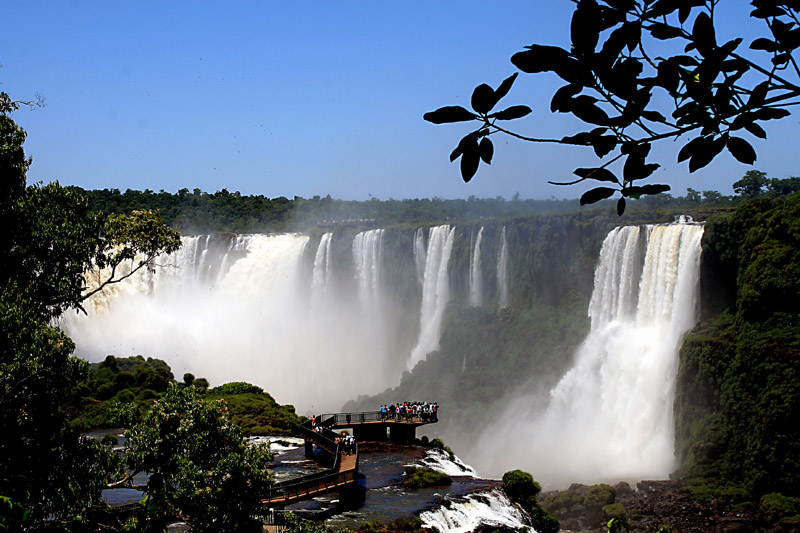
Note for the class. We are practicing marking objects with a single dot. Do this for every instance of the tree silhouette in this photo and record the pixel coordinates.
(702, 91)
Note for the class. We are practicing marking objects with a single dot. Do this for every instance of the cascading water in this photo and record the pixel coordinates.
(320, 277)
(435, 292)
(475, 278)
(502, 270)
(610, 416)
(367, 257)
(247, 322)
(420, 254)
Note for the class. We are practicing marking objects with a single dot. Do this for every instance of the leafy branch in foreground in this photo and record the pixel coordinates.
(629, 98)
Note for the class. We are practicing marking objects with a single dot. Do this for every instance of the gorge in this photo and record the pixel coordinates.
(322, 318)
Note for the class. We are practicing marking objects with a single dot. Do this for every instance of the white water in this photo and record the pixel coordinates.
(248, 322)
(368, 260)
(490, 508)
(320, 278)
(439, 460)
(420, 254)
(435, 292)
(502, 270)
(610, 416)
(475, 278)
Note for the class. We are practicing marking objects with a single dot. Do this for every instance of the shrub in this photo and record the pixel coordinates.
(520, 486)
(237, 387)
(614, 510)
(775, 506)
(417, 478)
(599, 495)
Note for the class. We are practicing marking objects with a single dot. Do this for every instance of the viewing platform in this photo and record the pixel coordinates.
(371, 425)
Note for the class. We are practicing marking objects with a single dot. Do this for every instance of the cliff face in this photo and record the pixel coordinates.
(738, 386)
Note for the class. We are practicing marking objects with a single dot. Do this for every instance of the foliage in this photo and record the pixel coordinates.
(440, 445)
(738, 383)
(199, 463)
(521, 488)
(614, 510)
(119, 390)
(618, 524)
(629, 98)
(775, 506)
(419, 478)
(599, 495)
(236, 387)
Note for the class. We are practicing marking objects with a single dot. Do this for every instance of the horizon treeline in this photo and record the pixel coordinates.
(198, 212)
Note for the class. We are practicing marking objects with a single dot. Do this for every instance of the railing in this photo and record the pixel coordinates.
(321, 481)
(375, 416)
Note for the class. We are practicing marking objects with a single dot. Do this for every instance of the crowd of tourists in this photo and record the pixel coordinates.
(408, 411)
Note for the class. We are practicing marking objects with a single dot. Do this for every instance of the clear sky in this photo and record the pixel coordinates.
(300, 98)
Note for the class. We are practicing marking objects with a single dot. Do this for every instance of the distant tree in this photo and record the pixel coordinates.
(752, 184)
(712, 196)
(629, 97)
(693, 196)
(783, 187)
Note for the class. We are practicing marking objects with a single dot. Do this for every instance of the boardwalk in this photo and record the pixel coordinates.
(344, 472)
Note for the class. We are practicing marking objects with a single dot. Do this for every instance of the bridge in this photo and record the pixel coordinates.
(371, 425)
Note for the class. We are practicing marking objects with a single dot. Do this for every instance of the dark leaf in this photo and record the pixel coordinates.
(664, 31)
(597, 194)
(706, 152)
(561, 101)
(638, 191)
(468, 143)
(703, 34)
(683, 13)
(598, 174)
(540, 58)
(585, 27)
(756, 130)
(770, 113)
(603, 145)
(781, 59)
(585, 110)
(758, 95)
(511, 113)
(448, 114)
(762, 43)
(483, 98)
(741, 150)
(486, 149)
(469, 163)
(504, 87)
(621, 206)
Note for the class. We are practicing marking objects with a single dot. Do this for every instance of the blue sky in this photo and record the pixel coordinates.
(300, 98)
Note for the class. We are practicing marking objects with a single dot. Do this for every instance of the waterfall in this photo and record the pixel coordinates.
(420, 254)
(475, 279)
(367, 258)
(486, 510)
(610, 416)
(502, 270)
(435, 292)
(320, 277)
(249, 321)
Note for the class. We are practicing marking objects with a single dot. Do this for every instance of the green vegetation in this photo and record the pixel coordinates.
(50, 238)
(738, 384)
(521, 489)
(776, 507)
(201, 467)
(418, 478)
(134, 382)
